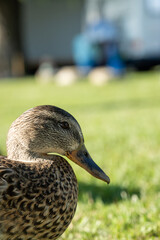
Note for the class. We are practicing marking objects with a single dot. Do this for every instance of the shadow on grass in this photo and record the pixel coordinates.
(107, 194)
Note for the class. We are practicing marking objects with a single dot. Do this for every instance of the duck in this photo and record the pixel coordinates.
(38, 187)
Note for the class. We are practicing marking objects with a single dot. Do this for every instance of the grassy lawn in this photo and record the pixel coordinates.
(121, 126)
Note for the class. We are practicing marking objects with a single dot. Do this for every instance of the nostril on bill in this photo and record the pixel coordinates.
(86, 154)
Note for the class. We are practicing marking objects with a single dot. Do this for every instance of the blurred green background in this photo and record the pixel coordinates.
(121, 126)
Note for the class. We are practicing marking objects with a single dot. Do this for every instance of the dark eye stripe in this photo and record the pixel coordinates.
(64, 125)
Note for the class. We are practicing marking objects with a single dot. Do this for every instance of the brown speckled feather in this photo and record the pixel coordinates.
(37, 199)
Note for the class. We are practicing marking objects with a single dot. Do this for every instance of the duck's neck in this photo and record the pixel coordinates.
(16, 151)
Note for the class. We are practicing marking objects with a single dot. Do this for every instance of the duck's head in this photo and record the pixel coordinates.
(49, 129)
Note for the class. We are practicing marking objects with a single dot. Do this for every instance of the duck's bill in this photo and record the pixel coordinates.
(83, 159)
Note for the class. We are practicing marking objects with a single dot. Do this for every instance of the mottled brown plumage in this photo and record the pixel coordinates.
(38, 191)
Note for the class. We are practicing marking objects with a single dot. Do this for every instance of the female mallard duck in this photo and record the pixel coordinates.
(38, 191)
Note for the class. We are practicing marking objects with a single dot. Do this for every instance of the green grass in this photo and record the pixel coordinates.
(121, 126)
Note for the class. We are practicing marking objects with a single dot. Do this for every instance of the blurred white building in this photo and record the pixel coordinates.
(138, 23)
(46, 28)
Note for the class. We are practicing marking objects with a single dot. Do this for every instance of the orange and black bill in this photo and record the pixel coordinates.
(83, 159)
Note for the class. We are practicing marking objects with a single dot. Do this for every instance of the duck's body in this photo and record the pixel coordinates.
(38, 200)
(38, 192)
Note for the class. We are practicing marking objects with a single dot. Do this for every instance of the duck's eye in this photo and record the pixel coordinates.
(64, 125)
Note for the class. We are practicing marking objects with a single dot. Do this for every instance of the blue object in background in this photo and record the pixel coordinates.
(114, 60)
(101, 31)
(97, 45)
(85, 53)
